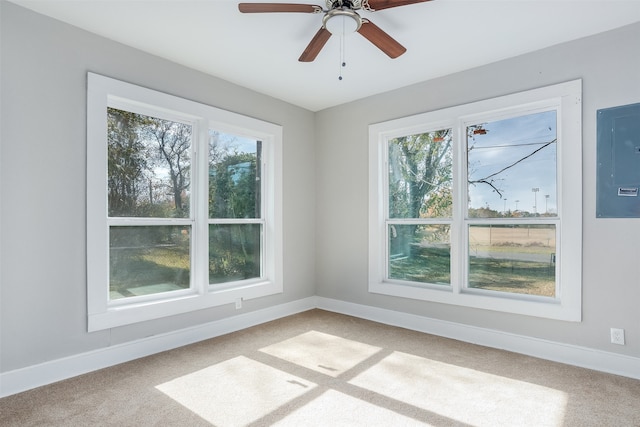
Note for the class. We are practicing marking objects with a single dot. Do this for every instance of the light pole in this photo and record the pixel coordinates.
(535, 199)
(517, 205)
(546, 203)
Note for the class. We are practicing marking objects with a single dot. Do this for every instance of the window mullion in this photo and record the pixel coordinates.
(458, 235)
(200, 279)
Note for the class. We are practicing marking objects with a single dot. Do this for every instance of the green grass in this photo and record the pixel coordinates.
(426, 265)
(169, 258)
(432, 265)
(523, 277)
(144, 267)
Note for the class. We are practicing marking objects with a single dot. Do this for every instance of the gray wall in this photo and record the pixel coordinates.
(609, 65)
(43, 125)
(43, 273)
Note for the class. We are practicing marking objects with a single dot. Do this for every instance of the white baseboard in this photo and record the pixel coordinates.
(584, 357)
(23, 379)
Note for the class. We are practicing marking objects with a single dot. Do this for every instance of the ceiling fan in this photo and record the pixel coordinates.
(339, 15)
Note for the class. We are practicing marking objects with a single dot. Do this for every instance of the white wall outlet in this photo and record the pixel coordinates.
(617, 336)
(239, 306)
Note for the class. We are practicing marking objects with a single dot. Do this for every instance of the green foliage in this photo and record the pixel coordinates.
(226, 266)
(234, 252)
(420, 175)
(173, 153)
(420, 179)
(492, 213)
(234, 192)
(140, 149)
(483, 213)
(234, 189)
(127, 161)
(149, 176)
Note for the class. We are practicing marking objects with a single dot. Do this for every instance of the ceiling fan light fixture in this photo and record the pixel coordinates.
(341, 21)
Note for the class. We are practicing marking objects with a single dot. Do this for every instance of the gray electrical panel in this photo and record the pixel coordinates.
(618, 174)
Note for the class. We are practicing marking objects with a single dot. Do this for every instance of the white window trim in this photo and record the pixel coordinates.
(102, 92)
(568, 303)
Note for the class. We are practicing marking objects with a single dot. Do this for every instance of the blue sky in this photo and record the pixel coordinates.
(241, 144)
(506, 142)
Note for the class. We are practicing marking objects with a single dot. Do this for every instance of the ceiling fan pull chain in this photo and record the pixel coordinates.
(342, 61)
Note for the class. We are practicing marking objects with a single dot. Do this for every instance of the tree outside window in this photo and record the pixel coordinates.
(479, 204)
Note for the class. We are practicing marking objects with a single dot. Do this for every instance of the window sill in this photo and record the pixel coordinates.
(125, 314)
(543, 307)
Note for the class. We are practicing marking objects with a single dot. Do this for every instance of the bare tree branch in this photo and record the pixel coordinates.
(486, 179)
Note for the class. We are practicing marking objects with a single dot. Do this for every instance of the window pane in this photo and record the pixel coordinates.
(234, 176)
(148, 260)
(420, 253)
(234, 252)
(513, 258)
(420, 175)
(512, 167)
(149, 165)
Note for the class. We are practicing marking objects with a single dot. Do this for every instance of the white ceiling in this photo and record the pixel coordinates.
(260, 51)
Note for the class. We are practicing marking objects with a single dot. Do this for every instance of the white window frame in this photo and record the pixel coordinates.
(566, 98)
(103, 92)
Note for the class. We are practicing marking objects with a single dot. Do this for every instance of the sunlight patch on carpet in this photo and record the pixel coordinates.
(463, 394)
(333, 408)
(235, 392)
(322, 352)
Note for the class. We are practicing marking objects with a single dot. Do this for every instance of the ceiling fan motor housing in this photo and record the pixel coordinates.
(351, 4)
(337, 21)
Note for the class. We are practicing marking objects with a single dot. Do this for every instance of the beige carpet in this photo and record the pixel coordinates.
(323, 369)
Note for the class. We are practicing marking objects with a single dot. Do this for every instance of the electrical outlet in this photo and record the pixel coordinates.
(239, 306)
(617, 336)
